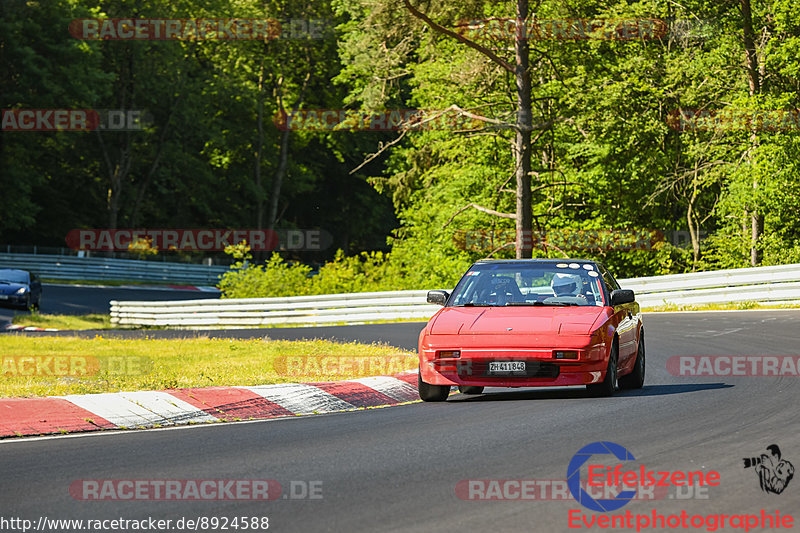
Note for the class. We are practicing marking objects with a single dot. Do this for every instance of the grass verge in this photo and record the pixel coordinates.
(39, 320)
(738, 306)
(47, 366)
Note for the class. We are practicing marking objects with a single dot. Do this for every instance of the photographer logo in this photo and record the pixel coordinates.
(774, 473)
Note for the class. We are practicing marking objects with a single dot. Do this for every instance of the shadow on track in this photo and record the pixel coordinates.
(580, 393)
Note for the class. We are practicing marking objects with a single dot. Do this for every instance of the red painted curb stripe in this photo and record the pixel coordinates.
(228, 403)
(34, 416)
(355, 393)
(408, 378)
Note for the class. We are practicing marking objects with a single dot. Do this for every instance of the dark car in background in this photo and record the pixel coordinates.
(20, 288)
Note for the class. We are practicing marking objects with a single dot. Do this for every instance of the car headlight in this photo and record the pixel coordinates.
(21, 291)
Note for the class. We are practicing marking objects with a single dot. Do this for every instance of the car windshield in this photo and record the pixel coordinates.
(13, 276)
(524, 284)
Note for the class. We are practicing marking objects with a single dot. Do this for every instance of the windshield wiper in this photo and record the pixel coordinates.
(472, 304)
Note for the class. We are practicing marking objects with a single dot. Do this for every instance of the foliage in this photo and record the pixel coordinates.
(605, 156)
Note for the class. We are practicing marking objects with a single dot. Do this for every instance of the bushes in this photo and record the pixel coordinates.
(403, 269)
(274, 278)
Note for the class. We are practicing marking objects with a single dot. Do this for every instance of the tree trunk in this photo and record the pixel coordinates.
(259, 152)
(283, 157)
(754, 80)
(522, 144)
(277, 180)
(694, 232)
(756, 230)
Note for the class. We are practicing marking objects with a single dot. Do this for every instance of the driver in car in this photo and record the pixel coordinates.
(567, 285)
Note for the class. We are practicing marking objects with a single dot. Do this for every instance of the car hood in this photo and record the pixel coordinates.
(527, 320)
(10, 287)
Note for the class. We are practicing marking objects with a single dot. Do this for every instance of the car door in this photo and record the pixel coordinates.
(628, 322)
(36, 288)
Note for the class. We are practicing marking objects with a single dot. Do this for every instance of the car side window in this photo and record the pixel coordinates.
(611, 283)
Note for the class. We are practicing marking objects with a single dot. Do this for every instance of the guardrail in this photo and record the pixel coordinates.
(294, 310)
(100, 268)
(770, 284)
(760, 284)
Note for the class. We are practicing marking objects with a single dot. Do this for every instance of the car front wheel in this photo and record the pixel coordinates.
(635, 379)
(608, 386)
(432, 393)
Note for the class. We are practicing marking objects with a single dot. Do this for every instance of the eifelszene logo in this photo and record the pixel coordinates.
(617, 477)
(574, 476)
(774, 473)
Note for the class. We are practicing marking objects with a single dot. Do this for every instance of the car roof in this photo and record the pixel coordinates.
(540, 260)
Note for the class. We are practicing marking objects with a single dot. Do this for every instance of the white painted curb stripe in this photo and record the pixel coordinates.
(300, 398)
(142, 408)
(394, 388)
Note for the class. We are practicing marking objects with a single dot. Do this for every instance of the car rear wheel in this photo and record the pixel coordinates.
(609, 385)
(635, 379)
(470, 389)
(432, 393)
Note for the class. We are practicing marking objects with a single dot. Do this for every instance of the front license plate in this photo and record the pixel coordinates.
(3, 296)
(503, 367)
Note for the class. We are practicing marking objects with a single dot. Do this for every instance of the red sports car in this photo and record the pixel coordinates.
(532, 323)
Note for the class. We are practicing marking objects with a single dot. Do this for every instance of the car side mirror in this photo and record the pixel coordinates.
(622, 296)
(438, 297)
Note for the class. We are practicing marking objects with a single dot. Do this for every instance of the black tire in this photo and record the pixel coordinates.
(432, 393)
(27, 305)
(609, 385)
(635, 379)
(470, 389)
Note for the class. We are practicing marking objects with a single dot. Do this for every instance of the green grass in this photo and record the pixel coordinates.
(38, 320)
(81, 366)
(738, 306)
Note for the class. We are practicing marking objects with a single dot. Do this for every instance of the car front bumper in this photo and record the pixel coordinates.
(13, 299)
(541, 367)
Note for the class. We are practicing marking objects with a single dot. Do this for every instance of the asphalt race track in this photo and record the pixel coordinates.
(396, 469)
(81, 300)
